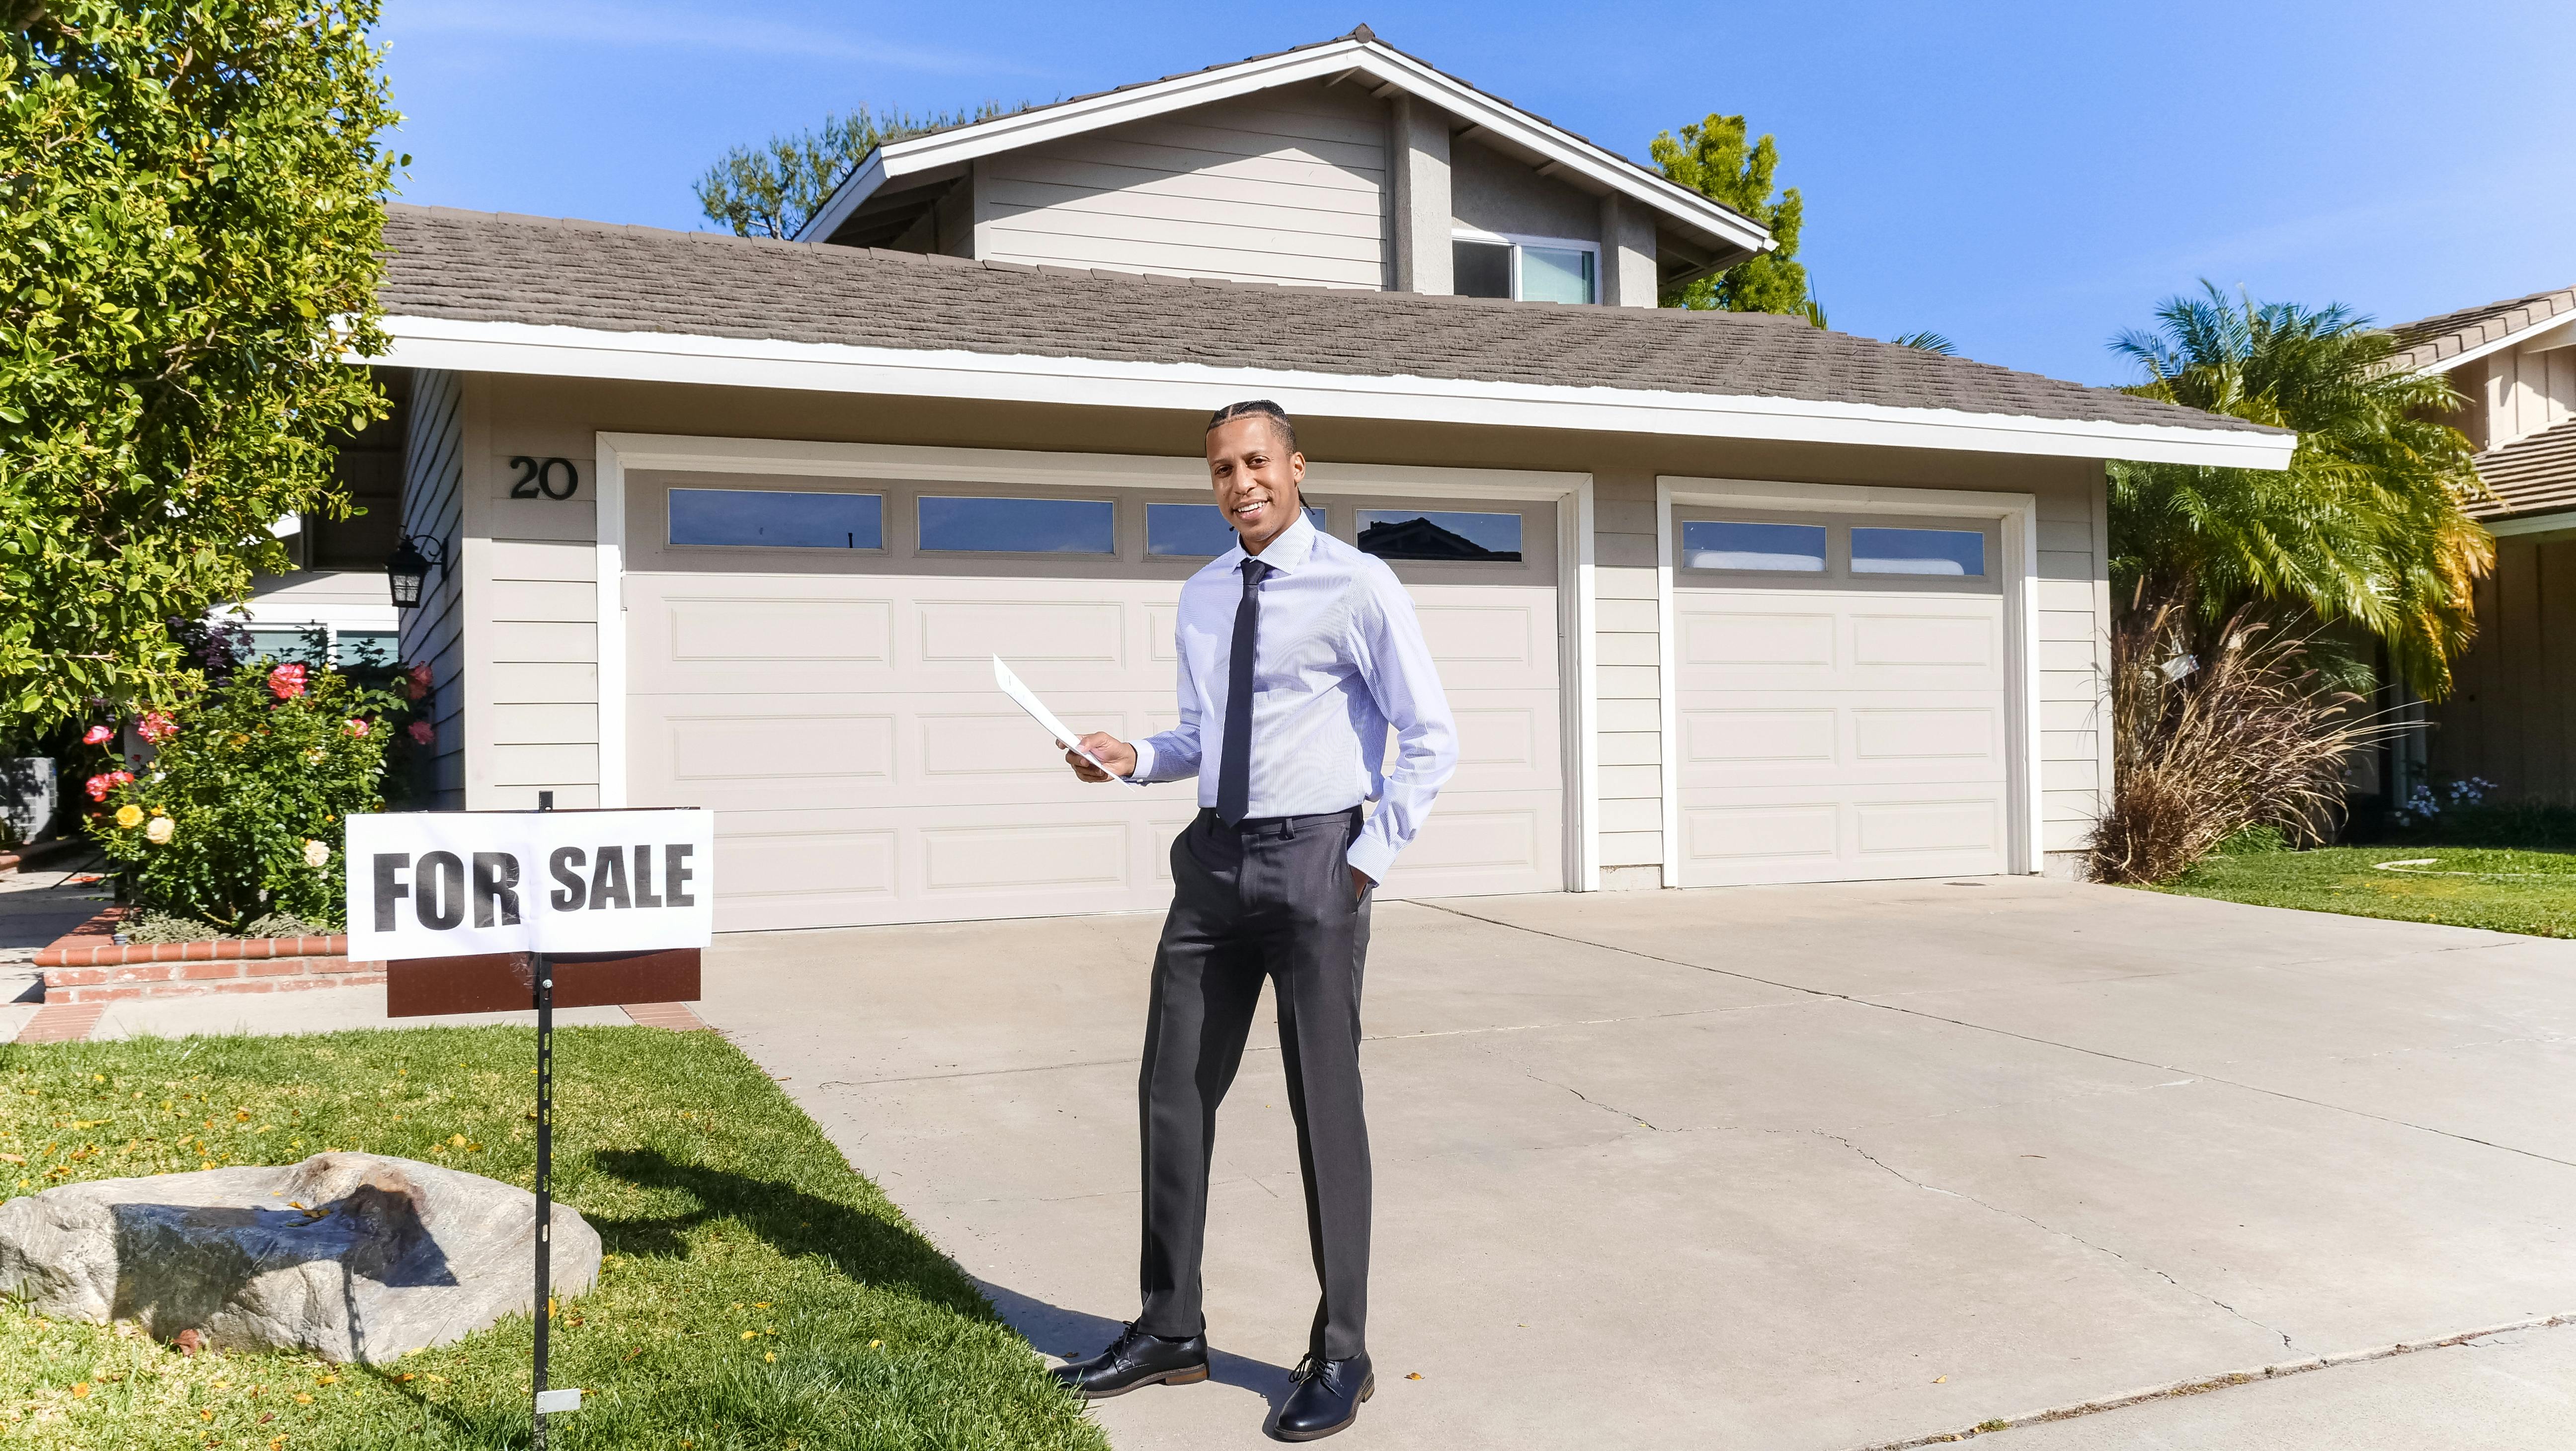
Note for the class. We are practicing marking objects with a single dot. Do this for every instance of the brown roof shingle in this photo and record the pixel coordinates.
(2427, 342)
(481, 267)
(2529, 474)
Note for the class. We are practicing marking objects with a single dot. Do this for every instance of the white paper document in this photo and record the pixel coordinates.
(1022, 697)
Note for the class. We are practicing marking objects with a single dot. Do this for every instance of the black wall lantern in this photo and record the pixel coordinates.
(408, 571)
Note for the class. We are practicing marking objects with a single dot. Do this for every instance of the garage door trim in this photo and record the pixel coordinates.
(1571, 493)
(2018, 564)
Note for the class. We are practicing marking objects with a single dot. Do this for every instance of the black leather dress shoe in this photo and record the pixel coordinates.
(1136, 1359)
(1327, 1397)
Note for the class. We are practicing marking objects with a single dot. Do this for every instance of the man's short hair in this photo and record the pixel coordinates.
(1261, 407)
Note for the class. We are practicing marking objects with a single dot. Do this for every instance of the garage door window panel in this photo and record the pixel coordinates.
(1749, 545)
(1954, 553)
(984, 524)
(1451, 535)
(775, 519)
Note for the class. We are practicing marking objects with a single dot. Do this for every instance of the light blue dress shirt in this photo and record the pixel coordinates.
(1338, 662)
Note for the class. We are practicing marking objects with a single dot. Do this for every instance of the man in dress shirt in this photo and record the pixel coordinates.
(1297, 654)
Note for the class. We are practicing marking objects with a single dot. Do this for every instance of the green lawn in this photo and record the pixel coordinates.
(757, 1293)
(2508, 891)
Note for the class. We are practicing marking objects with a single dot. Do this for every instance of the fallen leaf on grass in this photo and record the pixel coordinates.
(302, 1399)
(80, 1388)
(749, 1333)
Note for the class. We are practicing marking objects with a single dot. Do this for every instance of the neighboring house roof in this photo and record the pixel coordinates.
(2530, 474)
(1358, 54)
(2445, 342)
(532, 295)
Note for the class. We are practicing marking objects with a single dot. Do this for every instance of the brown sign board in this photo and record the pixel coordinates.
(502, 982)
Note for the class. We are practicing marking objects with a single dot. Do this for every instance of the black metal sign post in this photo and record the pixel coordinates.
(543, 974)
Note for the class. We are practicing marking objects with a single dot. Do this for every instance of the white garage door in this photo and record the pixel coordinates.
(811, 658)
(1841, 694)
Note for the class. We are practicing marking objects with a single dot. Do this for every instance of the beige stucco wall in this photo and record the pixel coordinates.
(530, 601)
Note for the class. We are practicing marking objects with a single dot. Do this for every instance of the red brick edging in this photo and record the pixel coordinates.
(86, 965)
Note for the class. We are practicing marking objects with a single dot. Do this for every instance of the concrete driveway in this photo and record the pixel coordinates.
(1813, 1167)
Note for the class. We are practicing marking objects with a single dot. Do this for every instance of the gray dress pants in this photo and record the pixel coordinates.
(1268, 898)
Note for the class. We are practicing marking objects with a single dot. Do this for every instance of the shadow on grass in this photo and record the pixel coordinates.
(869, 1249)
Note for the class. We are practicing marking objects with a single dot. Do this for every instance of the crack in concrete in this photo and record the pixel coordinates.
(2045, 1228)
(1596, 1103)
(1888, 1007)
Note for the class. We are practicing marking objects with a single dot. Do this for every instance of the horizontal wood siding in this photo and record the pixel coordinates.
(538, 615)
(433, 507)
(2074, 658)
(1285, 186)
(2511, 718)
(1626, 646)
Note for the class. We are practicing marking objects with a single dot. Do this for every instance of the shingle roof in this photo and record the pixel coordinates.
(481, 267)
(2530, 474)
(2429, 341)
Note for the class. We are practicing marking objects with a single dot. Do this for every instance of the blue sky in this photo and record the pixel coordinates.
(2027, 179)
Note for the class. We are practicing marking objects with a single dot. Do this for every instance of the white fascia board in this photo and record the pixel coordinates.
(846, 198)
(2548, 523)
(2513, 339)
(1342, 57)
(568, 352)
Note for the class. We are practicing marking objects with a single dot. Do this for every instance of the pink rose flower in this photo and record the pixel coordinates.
(286, 681)
(98, 787)
(417, 681)
(357, 728)
(157, 727)
(423, 732)
(98, 736)
(120, 777)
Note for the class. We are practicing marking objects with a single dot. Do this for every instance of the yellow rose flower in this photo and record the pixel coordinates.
(129, 816)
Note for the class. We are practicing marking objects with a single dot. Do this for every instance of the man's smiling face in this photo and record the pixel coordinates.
(1256, 478)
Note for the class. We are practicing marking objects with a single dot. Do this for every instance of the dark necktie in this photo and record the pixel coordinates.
(1234, 761)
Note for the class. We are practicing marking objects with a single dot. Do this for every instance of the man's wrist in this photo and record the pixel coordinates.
(1143, 766)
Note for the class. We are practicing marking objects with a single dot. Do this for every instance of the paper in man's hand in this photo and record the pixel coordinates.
(1027, 700)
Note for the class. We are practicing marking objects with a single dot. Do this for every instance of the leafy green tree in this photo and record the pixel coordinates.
(2365, 526)
(773, 189)
(1714, 158)
(190, 216)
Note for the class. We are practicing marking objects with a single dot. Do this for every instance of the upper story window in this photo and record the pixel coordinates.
(1531, 269)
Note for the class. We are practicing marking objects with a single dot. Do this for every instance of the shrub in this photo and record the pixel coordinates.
(2209, 751)
(239, 815)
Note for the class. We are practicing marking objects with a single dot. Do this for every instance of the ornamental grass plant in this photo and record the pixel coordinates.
(2255, 736)
(238, 815)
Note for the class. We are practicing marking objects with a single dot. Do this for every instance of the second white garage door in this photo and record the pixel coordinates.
(811, 659)
(1842, 698)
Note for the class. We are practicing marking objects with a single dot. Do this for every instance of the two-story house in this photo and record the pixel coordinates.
(2511, 718)
(1718, 598)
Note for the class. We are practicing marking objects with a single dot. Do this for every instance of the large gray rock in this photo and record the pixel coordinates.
(385, 1255)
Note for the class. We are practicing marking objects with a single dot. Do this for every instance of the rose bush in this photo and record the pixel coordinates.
(238, 816)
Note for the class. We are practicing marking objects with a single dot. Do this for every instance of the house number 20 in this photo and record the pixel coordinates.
(551, 478)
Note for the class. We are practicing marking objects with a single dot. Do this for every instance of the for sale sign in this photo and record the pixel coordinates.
(453, 883)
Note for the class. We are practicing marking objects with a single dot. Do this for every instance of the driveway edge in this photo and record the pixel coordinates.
(2215, 1382)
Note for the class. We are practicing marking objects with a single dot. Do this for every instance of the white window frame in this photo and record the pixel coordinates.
(1569, 495)
(1519, 240)
(2016, 569)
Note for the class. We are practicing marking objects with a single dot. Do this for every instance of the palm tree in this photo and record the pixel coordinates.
(2365, 526)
